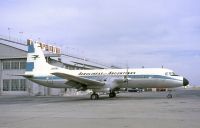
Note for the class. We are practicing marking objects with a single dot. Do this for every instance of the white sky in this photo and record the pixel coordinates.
(148, 33)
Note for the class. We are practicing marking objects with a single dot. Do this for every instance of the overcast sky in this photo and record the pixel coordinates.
(137, 33)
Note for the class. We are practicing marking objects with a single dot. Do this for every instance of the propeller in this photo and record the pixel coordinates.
(126, 76)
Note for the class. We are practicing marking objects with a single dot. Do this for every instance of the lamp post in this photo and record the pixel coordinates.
(9, 32)
(21, 33)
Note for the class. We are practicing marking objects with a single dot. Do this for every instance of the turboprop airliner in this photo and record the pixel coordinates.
(97, 80)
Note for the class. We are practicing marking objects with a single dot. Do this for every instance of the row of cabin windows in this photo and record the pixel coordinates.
(14, 85)
(74, 68)
(14, 65)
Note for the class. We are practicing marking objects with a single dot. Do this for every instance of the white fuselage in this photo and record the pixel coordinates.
(39, 71)
(120, 78)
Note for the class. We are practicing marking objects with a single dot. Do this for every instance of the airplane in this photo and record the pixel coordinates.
(97, 80)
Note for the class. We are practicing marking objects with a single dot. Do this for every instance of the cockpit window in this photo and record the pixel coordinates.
(173, 74)
(170, 74)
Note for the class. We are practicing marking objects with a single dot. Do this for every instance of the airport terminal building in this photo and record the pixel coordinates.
(13, 61)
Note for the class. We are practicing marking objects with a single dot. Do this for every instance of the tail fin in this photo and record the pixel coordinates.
(36, 63)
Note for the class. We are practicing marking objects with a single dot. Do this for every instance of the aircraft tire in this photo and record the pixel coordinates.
(112, 94)
(94, 97)
(169, 96)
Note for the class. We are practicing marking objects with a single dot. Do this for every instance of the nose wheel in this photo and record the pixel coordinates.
(169, 96)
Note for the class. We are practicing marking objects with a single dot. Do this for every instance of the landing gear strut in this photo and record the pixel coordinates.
(94, 96)
(112, 94)
(169, 96)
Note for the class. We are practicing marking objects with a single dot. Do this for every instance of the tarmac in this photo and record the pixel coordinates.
(127, 110)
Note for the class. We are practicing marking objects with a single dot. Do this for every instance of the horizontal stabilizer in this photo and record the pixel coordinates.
(24, 75)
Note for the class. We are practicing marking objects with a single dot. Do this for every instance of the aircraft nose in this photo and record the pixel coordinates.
(185, 82)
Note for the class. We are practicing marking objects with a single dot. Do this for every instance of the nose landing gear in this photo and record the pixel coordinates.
(169, 95)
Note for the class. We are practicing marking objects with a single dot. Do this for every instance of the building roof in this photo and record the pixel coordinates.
(13, 43)
(65, 58)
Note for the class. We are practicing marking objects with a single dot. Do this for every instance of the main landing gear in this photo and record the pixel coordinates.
(112, 94)
(94, 96)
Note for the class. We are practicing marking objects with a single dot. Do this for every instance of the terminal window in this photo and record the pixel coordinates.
(22, 65)
(6, 85)
(22, 85)
(14, 65)
(14, 85)
(6, 65)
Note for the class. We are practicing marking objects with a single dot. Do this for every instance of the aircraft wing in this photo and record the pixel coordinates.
(80, 80)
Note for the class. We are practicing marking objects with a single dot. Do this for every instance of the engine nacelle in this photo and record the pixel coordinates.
(112, 83)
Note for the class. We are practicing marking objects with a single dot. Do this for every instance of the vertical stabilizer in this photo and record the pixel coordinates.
(36, 63)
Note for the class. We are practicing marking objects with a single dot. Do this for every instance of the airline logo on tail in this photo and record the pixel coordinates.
(35, 57)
